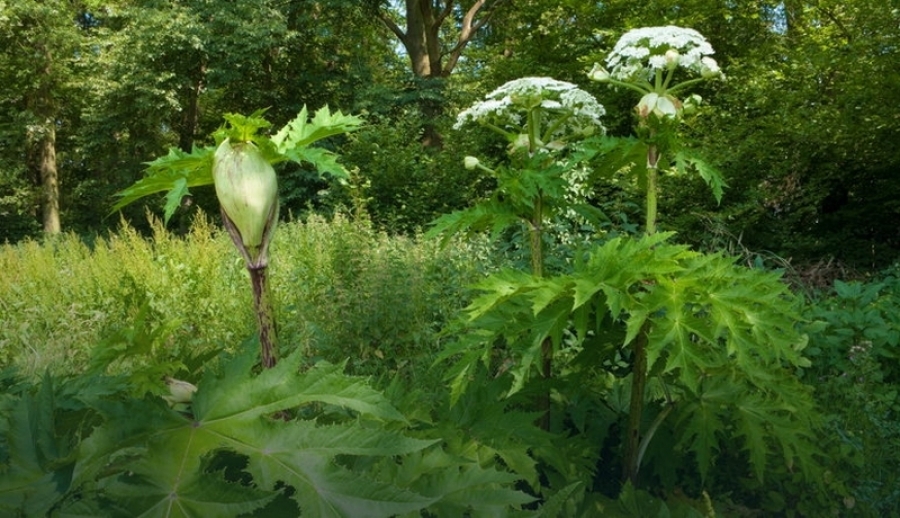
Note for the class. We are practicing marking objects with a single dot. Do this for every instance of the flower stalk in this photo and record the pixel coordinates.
(247, 189)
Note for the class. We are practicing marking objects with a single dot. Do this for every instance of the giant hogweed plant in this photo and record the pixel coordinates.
(710, 348)
(240, 166)
(540, 118)
(245, 440)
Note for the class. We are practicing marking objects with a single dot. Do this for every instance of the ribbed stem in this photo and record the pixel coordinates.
(636, 409)
(265, 316)
(537, 269)
(633, 449)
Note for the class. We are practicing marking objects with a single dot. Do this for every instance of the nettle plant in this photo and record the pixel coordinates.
(674, 339)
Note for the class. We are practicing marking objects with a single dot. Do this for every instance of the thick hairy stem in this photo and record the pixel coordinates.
(633, 441)
(652, 188)
(265, 316)
(636, 409)
(652, 431)
(537, 269)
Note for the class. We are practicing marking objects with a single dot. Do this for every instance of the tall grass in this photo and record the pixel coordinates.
(342, 292)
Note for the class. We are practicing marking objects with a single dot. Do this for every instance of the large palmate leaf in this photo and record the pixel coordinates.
(154, 465)
(707, 321)
(35, 466)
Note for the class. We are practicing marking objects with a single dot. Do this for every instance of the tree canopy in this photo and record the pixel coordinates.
(803, 129)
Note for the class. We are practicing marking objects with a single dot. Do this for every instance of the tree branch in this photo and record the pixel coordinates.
(391, 25)
(448, 8)
(468, 30)
(829, 13)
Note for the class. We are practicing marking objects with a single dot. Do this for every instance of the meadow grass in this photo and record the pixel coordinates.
(342, 291)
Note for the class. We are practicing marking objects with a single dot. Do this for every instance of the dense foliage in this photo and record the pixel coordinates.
(810, 168)
(599, 330)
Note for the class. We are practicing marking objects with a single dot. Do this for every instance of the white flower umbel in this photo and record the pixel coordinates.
(565, 110)
(641, 53)
(645, 60)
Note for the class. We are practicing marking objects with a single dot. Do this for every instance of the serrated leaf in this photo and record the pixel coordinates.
(491, 216)
(472, 487)
(156, 461)
(303, 131)
(281, 387)
(554, 507)
(686, 159)
(36, 475)
(701, 423)
(243, 128)
(178, 171)
(151, 492)
(327, 490)
(323, 160)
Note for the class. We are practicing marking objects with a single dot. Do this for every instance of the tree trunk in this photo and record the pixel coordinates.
(190, 116)
(41, 142)
(422, 42)
(49, 180)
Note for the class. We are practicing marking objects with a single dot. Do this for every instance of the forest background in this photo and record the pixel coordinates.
(802, 131)
(803, 128)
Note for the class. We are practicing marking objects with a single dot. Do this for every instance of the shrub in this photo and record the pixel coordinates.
(855, 344)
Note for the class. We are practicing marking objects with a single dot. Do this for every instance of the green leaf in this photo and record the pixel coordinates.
(155, 463)
(176, 172)
(302, 131)
(243, 128)
(555, 506)
(490, 215)
(612, 155)
(686, 159)
(37, 470)
(323, 160)
(219, 397)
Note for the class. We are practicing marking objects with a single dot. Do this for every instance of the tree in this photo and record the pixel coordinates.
(812, 168)
(41, 40)
(434, 46)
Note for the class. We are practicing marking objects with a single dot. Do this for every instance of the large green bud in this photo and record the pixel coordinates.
(248, 193)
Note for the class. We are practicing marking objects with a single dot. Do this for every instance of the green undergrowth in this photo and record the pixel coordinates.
(343, 291)
(357, 415)
(855, 348)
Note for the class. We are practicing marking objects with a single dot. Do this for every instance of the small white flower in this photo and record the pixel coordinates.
(651, 49)
(471, 162)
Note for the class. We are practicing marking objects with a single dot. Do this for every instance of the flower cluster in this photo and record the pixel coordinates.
(506, 106)
(641, 53)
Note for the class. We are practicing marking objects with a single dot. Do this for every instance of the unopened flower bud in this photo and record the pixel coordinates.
(672, 57)
(180, 391)
(247, 189)
(520, 142)
(598, 73)
(470, 162)
(709, 68)
(661, 106)
(692, 104)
